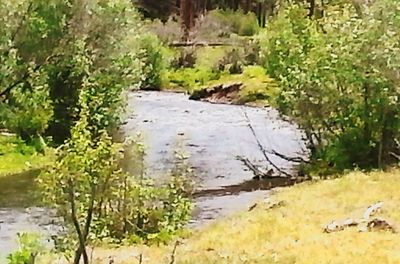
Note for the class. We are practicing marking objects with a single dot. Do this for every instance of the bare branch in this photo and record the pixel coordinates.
(260, 146)
(291, 159)
(258, 174)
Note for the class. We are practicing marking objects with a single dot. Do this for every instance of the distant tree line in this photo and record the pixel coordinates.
(190, 9)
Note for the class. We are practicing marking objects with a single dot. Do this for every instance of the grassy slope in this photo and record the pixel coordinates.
(293, 233)
(16, 157)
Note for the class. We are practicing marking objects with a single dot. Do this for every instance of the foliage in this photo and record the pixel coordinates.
(153, 60)
(101, 58)
(47, 51)
(29, 115)
(190, 78)
(168, 32)
(339, 80)
(99, 196)
(26, 25)
(211, 57)
(29, 248)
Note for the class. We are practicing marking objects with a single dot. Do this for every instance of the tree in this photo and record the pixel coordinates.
(39, 48)
(339, 79)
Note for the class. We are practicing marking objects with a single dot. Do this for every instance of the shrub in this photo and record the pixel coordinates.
(49, 48)
(336, 79)
(191, 78)
(167, 32)
(29, 111)
(153, 64)
(29, 249)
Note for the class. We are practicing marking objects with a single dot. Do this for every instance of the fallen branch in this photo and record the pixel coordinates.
(397, 156)
(291, 159)
(200, 44)
(373, 209)
(258, 174)
(364, 224)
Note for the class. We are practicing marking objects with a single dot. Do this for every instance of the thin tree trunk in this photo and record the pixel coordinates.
(82, 241)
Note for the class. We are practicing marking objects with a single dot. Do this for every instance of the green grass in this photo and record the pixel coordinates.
(292, 232)
(17, 157)
(258, 88)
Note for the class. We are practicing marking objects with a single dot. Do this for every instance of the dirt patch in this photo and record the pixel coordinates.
(223, 94)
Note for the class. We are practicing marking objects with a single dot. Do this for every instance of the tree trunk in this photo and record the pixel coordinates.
(187, 15)
(312, 8)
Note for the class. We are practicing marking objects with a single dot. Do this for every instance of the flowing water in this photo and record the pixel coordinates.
(212, 135)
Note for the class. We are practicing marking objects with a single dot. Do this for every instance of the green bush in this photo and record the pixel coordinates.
(153, 61)
(244, 24)
(337, 80)
(28, 113)
(29, 249)
(191, 78)
(50, 50)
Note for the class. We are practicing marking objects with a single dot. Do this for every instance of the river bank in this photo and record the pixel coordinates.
(292, 231)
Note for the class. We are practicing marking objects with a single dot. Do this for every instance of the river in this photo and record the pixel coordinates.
(212, 136)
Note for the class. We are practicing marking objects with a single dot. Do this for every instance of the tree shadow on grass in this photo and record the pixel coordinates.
(19, 190)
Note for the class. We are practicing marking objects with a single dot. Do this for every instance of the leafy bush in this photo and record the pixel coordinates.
(167, 32)
(98, 196)
(29, 248)
(337, 80)
(29, 113)
(153, 64)
(48, 50)
(190, 78)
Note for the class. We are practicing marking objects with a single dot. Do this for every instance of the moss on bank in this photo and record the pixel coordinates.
(293, 232)
(257, 87)
(17, 157)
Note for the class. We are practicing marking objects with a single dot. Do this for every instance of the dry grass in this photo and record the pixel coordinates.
(293, 232)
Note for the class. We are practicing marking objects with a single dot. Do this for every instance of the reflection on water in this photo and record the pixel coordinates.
(20, 212)
(18, 190)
